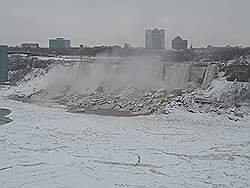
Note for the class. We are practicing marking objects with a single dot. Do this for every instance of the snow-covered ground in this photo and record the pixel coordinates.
(48, 147)
(45, 146)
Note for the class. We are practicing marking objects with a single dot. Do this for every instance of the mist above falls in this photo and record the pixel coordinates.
(116, 77)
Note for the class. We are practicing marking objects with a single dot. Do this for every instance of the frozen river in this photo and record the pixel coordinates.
(48, 147)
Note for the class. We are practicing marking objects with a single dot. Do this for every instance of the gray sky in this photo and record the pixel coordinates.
(109, 22)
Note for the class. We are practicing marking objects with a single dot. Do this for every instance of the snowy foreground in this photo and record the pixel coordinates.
(48, 147)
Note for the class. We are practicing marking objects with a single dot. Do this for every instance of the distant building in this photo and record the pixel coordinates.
(30, 45)
(155, 39)
(59, 43)
(179, 44)
(4, 62)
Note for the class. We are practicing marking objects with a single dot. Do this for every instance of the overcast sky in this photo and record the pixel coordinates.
(109, 22)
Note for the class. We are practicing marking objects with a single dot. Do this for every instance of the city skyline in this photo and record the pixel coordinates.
(112, 22)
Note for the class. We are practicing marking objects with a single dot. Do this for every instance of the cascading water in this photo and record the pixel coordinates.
(128, 85)
(85, 77)
(210, 74)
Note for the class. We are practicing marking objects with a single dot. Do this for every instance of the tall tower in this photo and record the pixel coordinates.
(162, 35)
(155, 39)
(148, 39)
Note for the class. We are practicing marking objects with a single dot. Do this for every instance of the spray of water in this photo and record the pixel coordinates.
(117, 77)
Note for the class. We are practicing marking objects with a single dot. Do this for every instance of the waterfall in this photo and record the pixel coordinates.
(210, 74)
(83, 70)
(176, 76)
(116, 76)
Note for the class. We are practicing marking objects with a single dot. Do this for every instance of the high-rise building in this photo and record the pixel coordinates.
(4, 62)
(59, 43)
(155, 39)
(179, 44)
(148, 39)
